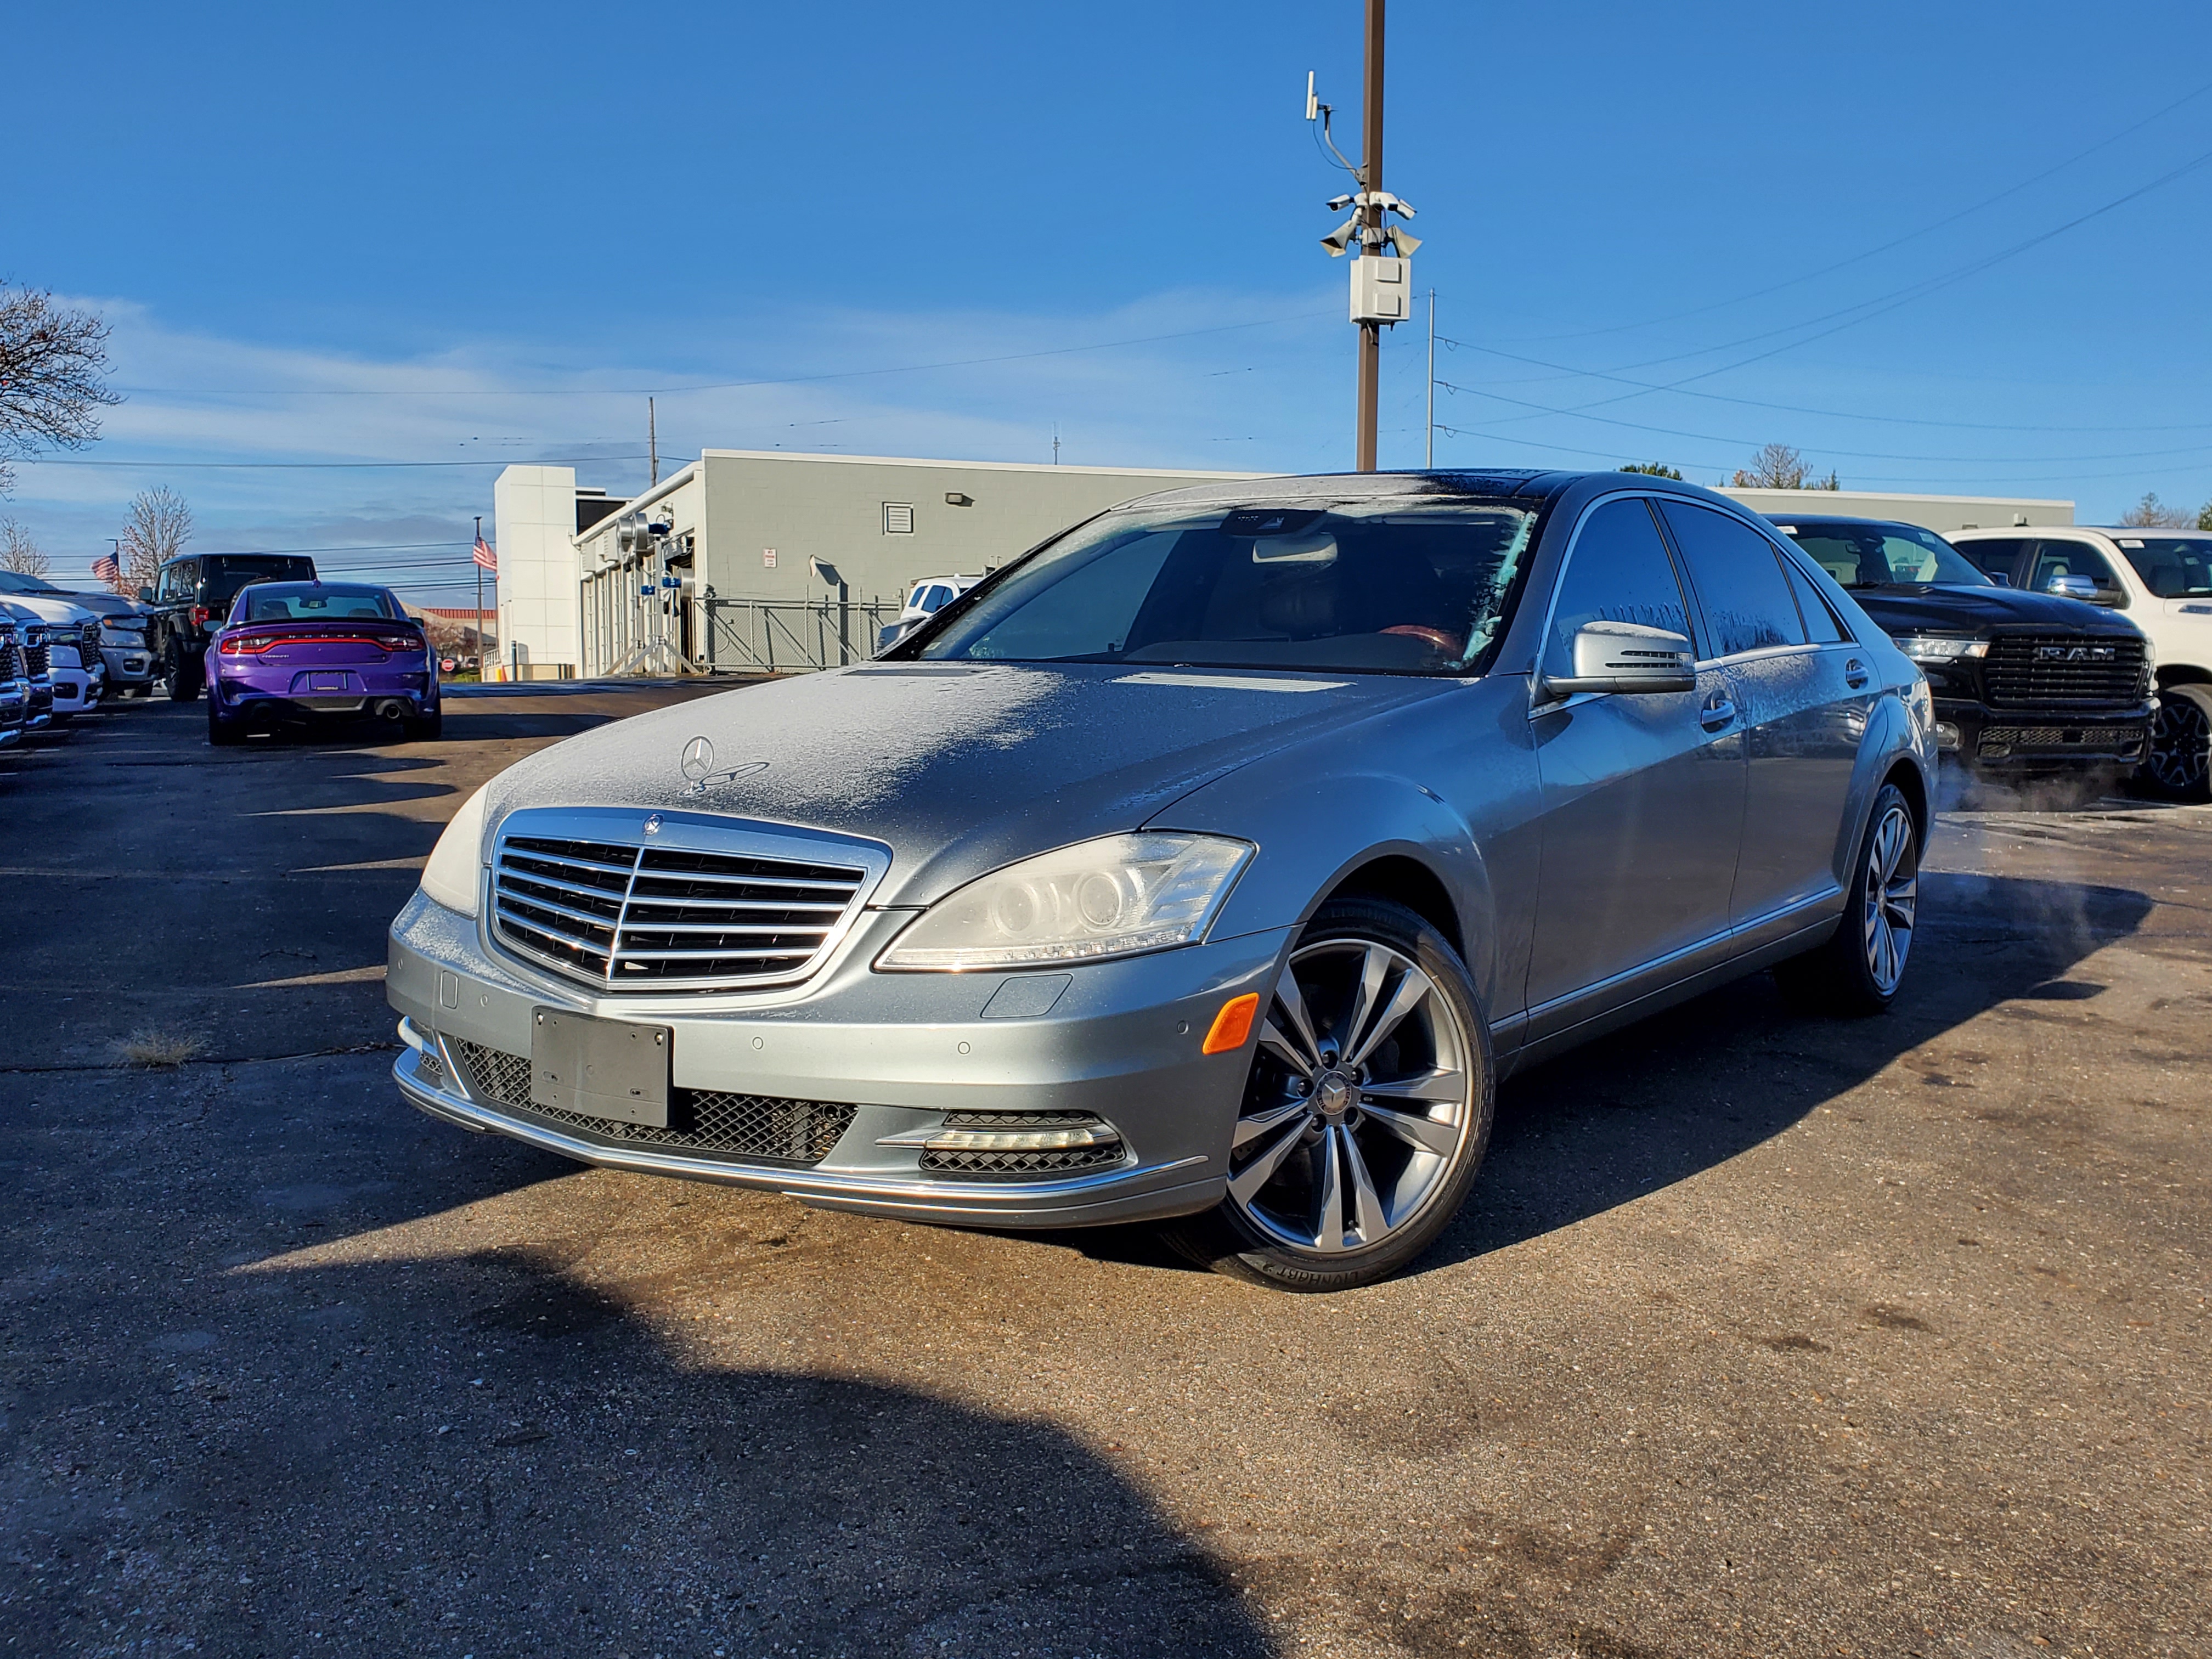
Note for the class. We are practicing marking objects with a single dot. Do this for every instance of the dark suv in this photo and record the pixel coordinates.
(2026, 685)
(190, 598)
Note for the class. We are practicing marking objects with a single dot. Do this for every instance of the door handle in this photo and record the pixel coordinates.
(1854, 673)
(1716, 713)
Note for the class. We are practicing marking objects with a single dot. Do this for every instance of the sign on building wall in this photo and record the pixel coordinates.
(768, 558)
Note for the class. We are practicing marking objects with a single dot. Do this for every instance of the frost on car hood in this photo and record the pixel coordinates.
(957, 769)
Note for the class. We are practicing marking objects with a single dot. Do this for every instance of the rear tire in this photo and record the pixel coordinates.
(181, 675)
(1858, 970)
(1366, 1109)
(223, 732)
(428, 728)
(2177, 763)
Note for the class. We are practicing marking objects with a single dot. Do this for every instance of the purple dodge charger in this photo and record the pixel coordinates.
(293, 651)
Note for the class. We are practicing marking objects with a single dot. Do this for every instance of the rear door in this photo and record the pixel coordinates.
(1643, 796)
(1997, 557)
(1801, 695)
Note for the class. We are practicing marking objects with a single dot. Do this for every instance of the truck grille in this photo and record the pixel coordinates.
(2064, 670)
(654, 918)
(760, 1129)
(11, 659)
(34, 659)
(89, 644)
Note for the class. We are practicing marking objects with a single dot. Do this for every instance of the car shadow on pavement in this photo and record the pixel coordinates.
(1688, 1089)
(481, 1455)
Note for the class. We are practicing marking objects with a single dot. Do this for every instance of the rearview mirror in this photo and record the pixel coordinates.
(2083, 588)
(1627, 658)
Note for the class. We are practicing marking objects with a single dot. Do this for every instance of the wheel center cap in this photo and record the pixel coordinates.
(1334, 1094)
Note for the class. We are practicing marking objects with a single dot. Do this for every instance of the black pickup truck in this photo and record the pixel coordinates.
(2026, 686)
(189, 599)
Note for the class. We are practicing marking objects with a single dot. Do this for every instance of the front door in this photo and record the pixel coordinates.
(1643, 796)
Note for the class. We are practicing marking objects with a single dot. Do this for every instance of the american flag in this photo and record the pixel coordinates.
(106, 569)
(483, 556)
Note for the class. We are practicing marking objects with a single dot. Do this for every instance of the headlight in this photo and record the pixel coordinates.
(451, 875)
(1113, 897)
(1939, 647)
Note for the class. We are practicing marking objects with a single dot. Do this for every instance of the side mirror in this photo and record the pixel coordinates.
(1628, 659)
(1999, 578)
(146, 596)
(2083, 588)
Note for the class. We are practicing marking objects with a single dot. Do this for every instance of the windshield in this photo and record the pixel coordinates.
(1389, 587)
(2172, 567)
(1886, 554)
(276, 602)
(221, 577)
(15, 581)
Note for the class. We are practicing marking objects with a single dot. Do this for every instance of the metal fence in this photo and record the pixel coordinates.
(786, 636)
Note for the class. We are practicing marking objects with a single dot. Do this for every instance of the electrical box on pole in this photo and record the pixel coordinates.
(1382, 289)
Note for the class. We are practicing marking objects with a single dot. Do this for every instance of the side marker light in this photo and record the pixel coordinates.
(1232, 1025)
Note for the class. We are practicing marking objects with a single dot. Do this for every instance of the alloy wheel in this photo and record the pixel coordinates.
(2180, 752)
(1890, 896)
(1361, 1096)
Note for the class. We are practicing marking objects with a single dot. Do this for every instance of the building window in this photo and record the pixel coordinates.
(898, 518)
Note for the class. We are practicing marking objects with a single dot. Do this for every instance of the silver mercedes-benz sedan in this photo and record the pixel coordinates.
(1206, 865)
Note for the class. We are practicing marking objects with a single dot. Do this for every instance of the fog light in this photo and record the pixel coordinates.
(1946, 735)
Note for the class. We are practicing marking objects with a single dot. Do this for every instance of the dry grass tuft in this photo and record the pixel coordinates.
(155, 1047)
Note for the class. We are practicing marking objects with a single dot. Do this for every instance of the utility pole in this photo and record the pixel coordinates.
(1429, 439)
(652, 444)
(1371, 183)
(476, 621)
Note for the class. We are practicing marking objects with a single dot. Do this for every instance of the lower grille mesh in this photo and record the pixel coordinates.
(758, 1128)
(984, 1165)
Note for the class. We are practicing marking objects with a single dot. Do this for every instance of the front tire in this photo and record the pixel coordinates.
(2177, 763)
(1366, 1112)
(1857, 971)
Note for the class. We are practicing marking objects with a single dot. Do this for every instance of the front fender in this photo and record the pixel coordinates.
(1308, 846)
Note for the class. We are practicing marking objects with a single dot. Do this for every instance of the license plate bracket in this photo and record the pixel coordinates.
(616, 1069)
(328, 682)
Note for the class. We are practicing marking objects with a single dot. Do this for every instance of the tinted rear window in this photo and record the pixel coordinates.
(222, 576)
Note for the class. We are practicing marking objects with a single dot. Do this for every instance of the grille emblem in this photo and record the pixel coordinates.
(2075, 653)
(653, 824)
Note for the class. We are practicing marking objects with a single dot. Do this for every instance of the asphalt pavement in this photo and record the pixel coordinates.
(1760, 1335)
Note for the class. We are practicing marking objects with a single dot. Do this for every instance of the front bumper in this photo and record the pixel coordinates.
(2005, 741)
(76, 690)
(1121, 1043)
(127, 666)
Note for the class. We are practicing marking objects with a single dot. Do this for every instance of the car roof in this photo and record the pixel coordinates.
(1534, 485)
(2178, 532)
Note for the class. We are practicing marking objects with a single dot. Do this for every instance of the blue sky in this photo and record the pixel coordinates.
(468, 234)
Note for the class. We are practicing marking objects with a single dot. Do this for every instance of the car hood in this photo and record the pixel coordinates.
(61, 612)
(957, 769)
(1910, 608)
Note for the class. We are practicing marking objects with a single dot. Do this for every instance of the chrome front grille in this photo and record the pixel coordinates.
(11, 656)
(760, 1128)
(651, 917)
(2064, 670)
(34, 658)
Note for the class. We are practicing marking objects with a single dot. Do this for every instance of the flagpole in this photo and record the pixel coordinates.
(479, 615)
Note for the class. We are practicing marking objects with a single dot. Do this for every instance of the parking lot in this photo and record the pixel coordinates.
(1760, 1335)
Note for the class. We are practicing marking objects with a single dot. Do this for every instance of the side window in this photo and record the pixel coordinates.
(2056, 559)
(1738, 576)
(1618, 571)
(1820, 623)
(1995, 556)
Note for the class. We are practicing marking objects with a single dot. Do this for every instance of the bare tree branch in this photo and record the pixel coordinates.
(159, 525)
(51, 361)
(2152, 513)
(1777, 466)
(19, 553)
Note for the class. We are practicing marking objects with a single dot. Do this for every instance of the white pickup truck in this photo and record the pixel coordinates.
(923, 600)
(2162, 579)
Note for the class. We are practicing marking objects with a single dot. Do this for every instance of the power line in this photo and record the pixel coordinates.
(1848, 454)
(1895, 242)
(317, 466)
